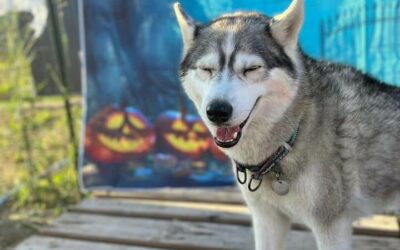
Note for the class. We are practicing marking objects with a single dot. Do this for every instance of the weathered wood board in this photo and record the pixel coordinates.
(156, 233)
(182, 235)
(181, 220)
(47, 243)
(229, 195)
(221, 213)
(135, 208)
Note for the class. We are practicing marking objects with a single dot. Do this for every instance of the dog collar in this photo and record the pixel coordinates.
(271, 164)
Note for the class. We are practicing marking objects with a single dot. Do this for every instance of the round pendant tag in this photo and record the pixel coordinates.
(280, 187)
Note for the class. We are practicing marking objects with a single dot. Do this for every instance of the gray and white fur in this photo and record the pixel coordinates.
(346, 160)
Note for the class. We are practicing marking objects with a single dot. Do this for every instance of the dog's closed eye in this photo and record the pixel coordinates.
(251, 69)
(205, 72)
(205, 69)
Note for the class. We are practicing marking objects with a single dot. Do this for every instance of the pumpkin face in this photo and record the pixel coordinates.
(185, 136)
(116, 134)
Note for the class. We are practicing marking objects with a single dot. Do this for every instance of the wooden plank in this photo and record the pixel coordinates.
(51, 243)
(135, 208)
(229, 195)
(378, 225)
(375, 243)
(388, 226)
(182, 235)
(383, 225)
(151, 233)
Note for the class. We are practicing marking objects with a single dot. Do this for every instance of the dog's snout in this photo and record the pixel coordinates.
(219, 111)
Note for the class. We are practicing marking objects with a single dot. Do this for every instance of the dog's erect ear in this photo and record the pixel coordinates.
(187, 26)
(286, 26)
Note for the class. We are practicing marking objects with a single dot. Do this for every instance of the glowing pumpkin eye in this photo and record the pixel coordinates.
(115, 121)
(179, 126)
(199, 128)
(136, 122)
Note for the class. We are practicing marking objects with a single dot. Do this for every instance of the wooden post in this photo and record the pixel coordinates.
(62, 81)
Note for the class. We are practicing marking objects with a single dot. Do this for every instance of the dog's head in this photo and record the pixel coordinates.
(241, 70)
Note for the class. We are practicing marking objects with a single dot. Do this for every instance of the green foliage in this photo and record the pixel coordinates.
(54, 192)
(50, 144)
(16, 81)
(33, 134)
(47, 133)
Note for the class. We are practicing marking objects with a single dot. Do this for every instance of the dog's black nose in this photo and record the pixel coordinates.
(219, 111)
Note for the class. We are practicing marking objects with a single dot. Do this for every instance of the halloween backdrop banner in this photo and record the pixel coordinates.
(140, 130)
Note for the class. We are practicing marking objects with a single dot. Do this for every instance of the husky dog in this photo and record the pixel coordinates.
(253, 86)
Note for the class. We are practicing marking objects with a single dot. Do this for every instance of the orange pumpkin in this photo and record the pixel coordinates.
(116, 134)
(183, 135)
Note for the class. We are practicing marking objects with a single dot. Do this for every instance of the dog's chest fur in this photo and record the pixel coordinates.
(304, 200)
(296, 204)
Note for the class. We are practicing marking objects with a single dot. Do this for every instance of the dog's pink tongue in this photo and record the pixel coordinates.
(227, 134)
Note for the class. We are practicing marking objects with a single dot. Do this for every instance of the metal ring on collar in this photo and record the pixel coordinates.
(238, 171)
(259, 179)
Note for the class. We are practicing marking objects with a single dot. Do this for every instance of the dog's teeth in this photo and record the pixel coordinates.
(235, 136)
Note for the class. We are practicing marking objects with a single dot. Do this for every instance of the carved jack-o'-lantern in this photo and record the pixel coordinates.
(184, 135)
(116, 134)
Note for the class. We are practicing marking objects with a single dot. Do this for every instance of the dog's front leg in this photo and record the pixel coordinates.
(335, 236)
(270, 228)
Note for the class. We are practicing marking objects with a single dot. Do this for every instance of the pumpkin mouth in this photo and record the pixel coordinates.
(227, 137)
(121, 144)
(184, 145)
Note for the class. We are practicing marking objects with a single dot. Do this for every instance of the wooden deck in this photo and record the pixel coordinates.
(181, 219)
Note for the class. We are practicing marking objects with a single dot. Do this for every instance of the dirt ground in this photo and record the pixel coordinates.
(13, 232)
(17, 226)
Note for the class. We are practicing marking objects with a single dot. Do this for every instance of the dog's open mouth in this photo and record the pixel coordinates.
(227, 137)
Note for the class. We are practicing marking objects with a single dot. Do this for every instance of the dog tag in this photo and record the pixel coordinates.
(280, 187)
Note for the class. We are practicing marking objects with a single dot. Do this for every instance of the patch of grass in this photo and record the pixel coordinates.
(35, 133)
(34, 130)
(49, 143)
(38, 201)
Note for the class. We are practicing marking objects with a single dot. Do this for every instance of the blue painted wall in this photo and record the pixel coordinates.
(365, 34)
(316, 10)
